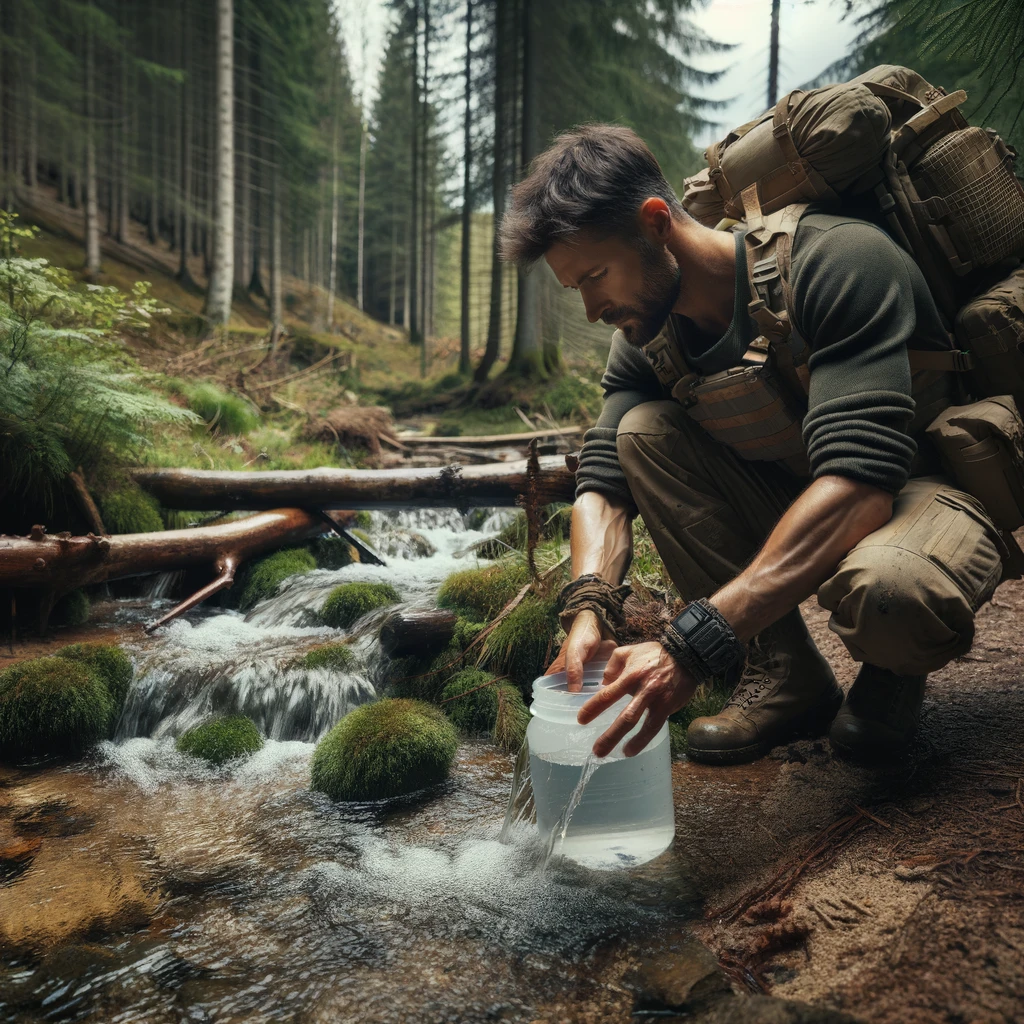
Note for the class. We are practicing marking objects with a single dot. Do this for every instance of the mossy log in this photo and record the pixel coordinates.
(57, 564)
(422, 632)
(494, 484)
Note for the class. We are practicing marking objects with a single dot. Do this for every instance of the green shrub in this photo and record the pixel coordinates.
(225, 412)
(71, 610)
(110, 663)
(130, 510)
(351, 601)
(385, 749)
(522, 645)
(221, 739)
(482, 593)
(266, 574)
(335, 656)
(52, 706)
(476, 707)
(334, 552)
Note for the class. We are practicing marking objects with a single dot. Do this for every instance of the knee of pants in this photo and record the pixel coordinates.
(896, 609)
(645, 430)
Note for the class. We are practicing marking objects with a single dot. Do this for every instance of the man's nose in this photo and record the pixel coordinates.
(594, 308)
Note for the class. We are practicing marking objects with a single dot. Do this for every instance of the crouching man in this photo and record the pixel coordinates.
(766, 469)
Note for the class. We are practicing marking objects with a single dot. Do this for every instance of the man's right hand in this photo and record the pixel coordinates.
(583, 644)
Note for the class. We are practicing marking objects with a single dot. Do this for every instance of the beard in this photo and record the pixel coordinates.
(641, 322)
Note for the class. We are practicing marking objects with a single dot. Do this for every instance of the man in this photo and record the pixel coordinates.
(901, 558)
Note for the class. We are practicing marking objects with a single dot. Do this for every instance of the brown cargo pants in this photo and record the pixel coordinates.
(903, 599)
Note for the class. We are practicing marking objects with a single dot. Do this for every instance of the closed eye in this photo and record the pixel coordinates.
(597, 277)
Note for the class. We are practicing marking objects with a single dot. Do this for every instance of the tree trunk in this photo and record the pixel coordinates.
(92, 213)
(493, 345)
(412, 277)
(332, 283)
(406, 277)
(392, 270)
(491, 484)
(32, 163)
(364, 135)
(218, 296)
(467, 199)
(423, 632)
(126, 133)
(276, 312)
(425, 194)
(185, 160)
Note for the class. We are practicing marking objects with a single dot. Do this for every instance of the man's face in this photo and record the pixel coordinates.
(631, 284)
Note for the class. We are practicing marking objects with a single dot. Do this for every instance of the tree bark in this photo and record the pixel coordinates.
(412, 277)
(495, 484)
(332, 283)
(185, 157)
(423, 632)
(92, 213)
(393, 271)
(364, 135)
(276, 308)
(218, 296)
(467, 199)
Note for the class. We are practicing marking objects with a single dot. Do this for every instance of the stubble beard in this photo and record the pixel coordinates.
(642, 323)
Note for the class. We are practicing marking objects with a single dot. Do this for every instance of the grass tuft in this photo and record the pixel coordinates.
(266, 574)
(477, 704)
(479, 594)
(221, 739)
(223, 411)
(351, 601)
(522, 645)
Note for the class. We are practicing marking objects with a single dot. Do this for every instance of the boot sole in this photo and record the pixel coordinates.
(810, 724)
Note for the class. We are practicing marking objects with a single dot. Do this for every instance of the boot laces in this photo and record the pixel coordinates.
(758, 676)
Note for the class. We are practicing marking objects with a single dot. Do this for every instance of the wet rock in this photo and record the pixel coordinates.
(682, 978)
(407, 544)
(221, 739)
(53, 818)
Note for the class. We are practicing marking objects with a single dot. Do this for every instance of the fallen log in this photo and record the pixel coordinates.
(487, 440)
(422, 632)
(55, 565)
(495, 484)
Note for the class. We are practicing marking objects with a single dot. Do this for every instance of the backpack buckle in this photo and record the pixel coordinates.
(765, 270)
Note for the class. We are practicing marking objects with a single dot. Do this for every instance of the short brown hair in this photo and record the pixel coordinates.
(596, 176)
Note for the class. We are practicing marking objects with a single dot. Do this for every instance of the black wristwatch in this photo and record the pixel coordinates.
(702, 641)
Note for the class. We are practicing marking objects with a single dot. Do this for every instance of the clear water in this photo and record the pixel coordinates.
(606, 814)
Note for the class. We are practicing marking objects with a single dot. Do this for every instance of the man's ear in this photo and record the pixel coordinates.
(656, 219)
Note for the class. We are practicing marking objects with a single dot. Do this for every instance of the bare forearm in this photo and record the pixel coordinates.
(818, 530)
(601, 540)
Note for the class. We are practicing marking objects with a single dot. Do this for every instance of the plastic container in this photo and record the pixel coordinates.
(624, 815)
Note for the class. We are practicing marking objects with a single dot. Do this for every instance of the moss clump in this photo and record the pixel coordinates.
(52, 706)
(482, 593)
(334, 552)
(522, 645)
(71, 610)
(110, 663)
(363, 519)
(336, 656)
(267, 574)
(351, 601)
(130, 510)
(385, 749)
(476, 704)
(221, 739)
(223, 411)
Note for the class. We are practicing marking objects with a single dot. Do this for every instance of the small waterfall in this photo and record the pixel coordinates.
(561, 827)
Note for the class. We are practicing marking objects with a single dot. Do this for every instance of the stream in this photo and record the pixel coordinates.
(238, 895)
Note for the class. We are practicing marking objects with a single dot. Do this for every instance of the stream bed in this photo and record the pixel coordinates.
(165, 890)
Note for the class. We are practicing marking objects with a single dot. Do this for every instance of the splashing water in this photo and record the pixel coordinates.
(556, 837)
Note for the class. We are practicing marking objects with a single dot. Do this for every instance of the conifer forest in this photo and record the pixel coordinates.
(295, 520)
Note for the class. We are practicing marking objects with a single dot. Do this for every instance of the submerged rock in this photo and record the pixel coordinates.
(267, 574)
(407, 544)
(351, 601)
(385, 749)
(221, 739)
(477, 704)
(52, 706)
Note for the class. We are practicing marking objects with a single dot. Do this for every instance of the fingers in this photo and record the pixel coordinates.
(616, 663)
(650, 729)
(605, 698)
(623, 725)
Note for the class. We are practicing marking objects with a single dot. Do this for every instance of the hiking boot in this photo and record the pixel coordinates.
(787, 690)
(879, 717)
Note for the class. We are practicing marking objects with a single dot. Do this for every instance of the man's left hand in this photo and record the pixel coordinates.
(659, 687)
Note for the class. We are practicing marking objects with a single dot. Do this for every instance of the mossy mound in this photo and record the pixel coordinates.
(71, 610)
(351, 601)
(223, 411)
(266, 574)
(477, 704)
(335, 656)
(385, 749)
(482, 593)
(523, 644)
(52, 706)
(110, 663)
(221, 739)
(130, 510)
(334, 552)
(425, 678)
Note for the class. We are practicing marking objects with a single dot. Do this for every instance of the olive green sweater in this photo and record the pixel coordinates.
(859, 299)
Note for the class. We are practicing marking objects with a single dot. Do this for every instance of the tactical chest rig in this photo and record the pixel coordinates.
(757, 408)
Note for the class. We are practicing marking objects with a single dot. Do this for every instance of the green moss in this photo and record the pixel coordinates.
(477, 704)
(522, 645)
(363, 519)
(351, 601)
(225, 412)
(334, 656)
(71, 610)
(482, 593)
(52, 706)
(266, 574)
(385, 749)
(130, 510)
(573, 396)
(334, 552)
(110, 663)
(221, 739)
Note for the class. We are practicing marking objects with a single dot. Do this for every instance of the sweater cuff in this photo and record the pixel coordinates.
(599, 468)
(863, 437)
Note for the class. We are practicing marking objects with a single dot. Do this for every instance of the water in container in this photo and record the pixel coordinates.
(623, 814)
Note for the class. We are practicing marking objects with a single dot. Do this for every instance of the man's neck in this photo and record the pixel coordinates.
(707, 263)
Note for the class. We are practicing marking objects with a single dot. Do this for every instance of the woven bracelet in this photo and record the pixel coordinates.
(592, 593)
